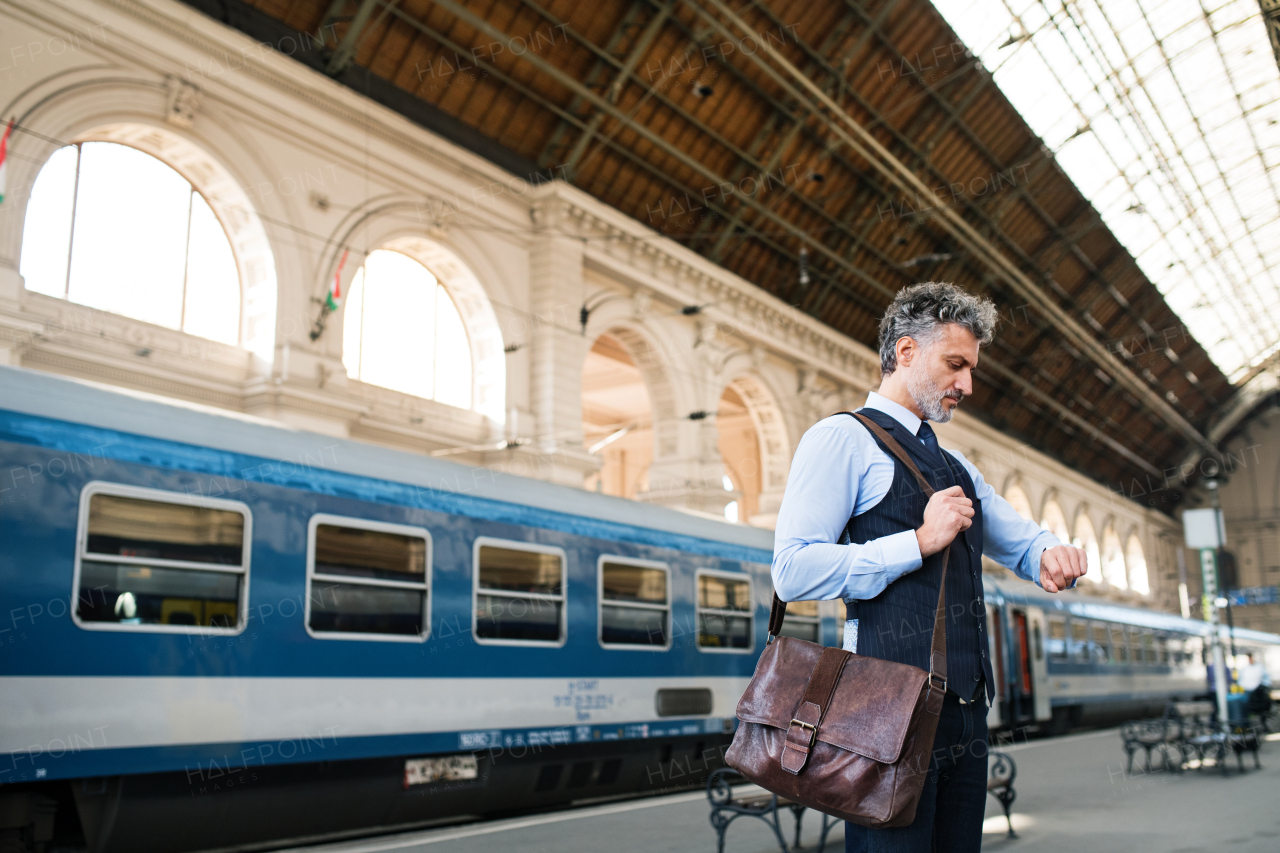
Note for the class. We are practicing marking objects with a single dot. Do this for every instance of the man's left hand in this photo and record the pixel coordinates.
(1060, 566)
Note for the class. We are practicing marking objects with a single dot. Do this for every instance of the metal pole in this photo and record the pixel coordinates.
(1222, 538)
(1209, 572)
(1271, 18)
(1231, 628)
(1183, 601)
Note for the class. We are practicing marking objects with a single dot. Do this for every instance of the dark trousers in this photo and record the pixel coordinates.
(954, 799)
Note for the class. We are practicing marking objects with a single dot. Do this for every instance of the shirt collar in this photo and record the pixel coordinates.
(898, 412)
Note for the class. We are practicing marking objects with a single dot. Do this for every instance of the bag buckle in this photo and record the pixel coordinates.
(813, 730)
(933, 681)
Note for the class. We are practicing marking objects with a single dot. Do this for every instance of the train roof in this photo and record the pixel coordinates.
(90, 403)
(1089, 607)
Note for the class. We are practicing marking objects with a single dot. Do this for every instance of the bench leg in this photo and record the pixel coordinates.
(797, 811)
(827, 823)
(1006, 797)
(720, 823)
(776, 825)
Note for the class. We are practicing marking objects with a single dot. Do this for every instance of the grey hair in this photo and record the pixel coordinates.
(920, 311)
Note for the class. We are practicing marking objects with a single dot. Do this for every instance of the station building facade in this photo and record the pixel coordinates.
(194, 215)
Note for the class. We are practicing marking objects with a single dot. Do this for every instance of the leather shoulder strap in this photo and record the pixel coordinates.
(777, 613)
(938, 649)
(896, 449)
(778, 610)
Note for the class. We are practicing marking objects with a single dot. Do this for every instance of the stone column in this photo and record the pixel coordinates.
(557, 351)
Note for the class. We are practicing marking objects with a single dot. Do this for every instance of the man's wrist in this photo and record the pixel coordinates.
(920, 543)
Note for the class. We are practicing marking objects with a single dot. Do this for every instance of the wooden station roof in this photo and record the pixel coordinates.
(776, 139)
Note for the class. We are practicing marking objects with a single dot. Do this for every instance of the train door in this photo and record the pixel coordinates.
(997, 715)
(1021, 682)
(1039, 666)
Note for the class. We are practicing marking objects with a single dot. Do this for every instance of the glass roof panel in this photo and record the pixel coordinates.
(1166, 114)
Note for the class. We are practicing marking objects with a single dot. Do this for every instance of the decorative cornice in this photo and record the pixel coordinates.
(752, 314)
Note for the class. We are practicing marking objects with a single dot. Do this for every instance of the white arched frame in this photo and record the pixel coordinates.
(231, 205)
(1136, 561)
(484, 336)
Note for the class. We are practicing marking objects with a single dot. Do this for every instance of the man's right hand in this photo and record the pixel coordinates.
(948, 512)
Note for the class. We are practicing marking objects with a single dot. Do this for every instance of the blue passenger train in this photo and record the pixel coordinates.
(220, 632)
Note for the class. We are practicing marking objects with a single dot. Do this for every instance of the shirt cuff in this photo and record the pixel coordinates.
(902, 552)
(899, 553)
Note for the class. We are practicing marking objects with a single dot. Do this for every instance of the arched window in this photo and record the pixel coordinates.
(1054, 521)
(617, 423)
(1136, 560)
(402, 331)
(111, 227)
(1085, 537)
(753, 449)
(740, 455)
(1017, 499)
(1113, 568)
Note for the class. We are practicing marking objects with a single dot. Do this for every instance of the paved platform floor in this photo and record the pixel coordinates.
(1073, 795)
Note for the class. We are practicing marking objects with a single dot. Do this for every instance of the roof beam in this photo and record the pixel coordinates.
(346, 51)
(866, 146)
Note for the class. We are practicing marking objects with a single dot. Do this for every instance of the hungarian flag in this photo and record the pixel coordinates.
(4, 164)
(333, 300)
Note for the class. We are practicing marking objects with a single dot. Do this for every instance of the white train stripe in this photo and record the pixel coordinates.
(125, 711)
(1155, 684)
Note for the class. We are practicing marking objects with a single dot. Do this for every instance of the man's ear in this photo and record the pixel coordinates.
(906, 349)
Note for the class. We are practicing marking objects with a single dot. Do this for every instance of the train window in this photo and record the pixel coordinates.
(635, 604)
(724, 612)
(519, 593)
(1148, 646)
(1100, 648)
(1079, 644)
(367, 580)
(1057, 643)
(1119, 645)
(161, 561)
(1193, 650)
(802, 621)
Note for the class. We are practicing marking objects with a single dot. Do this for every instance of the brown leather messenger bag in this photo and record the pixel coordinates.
(842, 733)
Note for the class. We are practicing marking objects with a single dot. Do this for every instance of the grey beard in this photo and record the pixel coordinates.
(926, 395)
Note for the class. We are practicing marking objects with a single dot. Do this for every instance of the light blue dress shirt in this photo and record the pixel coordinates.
(839, 471)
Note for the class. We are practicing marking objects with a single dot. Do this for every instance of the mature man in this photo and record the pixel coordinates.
(854, 525)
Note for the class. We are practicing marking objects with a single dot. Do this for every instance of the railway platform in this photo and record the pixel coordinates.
(1073, 794)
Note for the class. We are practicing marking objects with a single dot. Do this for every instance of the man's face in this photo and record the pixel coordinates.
(940, 375)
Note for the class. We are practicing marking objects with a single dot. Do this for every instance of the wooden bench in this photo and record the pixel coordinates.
(1000, 776)
(727, 806)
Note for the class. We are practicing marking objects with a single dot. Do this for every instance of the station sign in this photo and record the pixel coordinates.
(1254, 595)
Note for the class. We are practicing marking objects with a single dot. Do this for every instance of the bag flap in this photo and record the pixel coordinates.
(870, 709)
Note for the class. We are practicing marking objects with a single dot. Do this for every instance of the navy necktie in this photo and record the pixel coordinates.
(930, 441)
